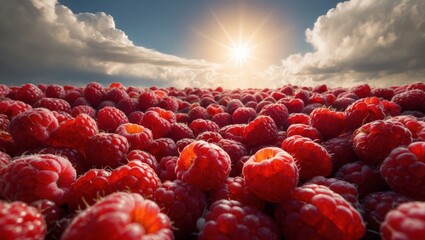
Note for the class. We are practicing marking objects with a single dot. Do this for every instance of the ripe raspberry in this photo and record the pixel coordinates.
(328, 122)
(4, 90)
(94, 93)
(104, 104)
(148, 99)
(159, 126)
(271, 173)
(106, 150)
(311, 158)
(342, 103)
(198, 112)
(278, 112)
(341, 150)
(384, 93)
(211, 137)
(183, 203)
(11, 108)
(50, 212)
(182, 118)
(263, 103)
(233, 131)
(243, 115)
(21, 221)
(87, 189)
(204, 165)
(4, 160)
(235, 149)
(120, 216)
(295, 118)
(214, 109)
(53, 104)
(416, 85)
(407, 221)
(233, 105)
(236, 189)
(143, 157)
(75, 132)
(409, 100)
(61, 116)
(261, 131)
(416, 127)
(316, 212)
(373, 141)
(83, 109)
(138, 137)
(294, 105)
(128, 105)
(135, 177)
(162, 147)
(404, 170)
(72, 95)
(33, 128)
(166, 168)
(54, 91)
(109, 118)
(169, 103)
(202, 125)
(39, 176)
(115, 95)
(364, 111)
(7, 144)
(29, 93)
(179, 131)
(365, 177)
(229, 219)
(305, 131)
(362, 91)
(4, 122)
(136, 117)
(182, 143)
(378, 204)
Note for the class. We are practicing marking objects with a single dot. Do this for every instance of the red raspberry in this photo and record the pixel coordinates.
(316, 212)
(106, 150)
(410, 100)
(384, 93)
(233, 105)
(179, 131)
(311, 158)
(104, 104)
(183, 203)
(182, 143)
(72, 95)
(341, 150)
(416, 127)
(4, 160)
(305, 131)
(83, 109)
(407, 221)
(416, 85)
(271, 173)
(261, 131)
(40, 176)
(404, 170)
(21, 221)
(378, 204)
(159, 126)
(363, 111)
(320, 88)
(328, 122)
(11, 108)
(136, 117)
(148, 99)
(29, 93)
(50, 211)
(61, 116)
(7, 144)
(198, 113)
(243, 115)
(373, 141)
(135, 177)
(53, 104)
(362, 91)
(235, 149)
(4, 90)
(202, 125)
(294, 105)
(120, 216)
(278, 112)
(75, 132)
(162, 147)
(166, 168)
(263, 103)
(302, 118)
(33, 128)
(138, 137)
(204, 165)
(94, 93)
(169, 103)
(365, 177)
(109, 118)
(317, 98)
(54, 91)
(341, 104)
(211, 137)
(229, 219)
(128, 105)
(87, 189)
(4, 122)
(115, 95)
(214, 109)
(234, 132)
(182, 118)
(143, 157)
(236, 189)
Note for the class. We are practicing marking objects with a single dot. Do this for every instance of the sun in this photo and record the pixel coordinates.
(240, 53)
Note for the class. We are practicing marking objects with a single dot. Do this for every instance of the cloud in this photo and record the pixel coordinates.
(375, 41)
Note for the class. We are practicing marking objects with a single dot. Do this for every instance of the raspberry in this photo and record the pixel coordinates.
(53, 104)
(341, 150)
(87, 189)
(162, 147)
(182, 143)
(295, 118)
(198, 113)
(364, 111)
(83, 109)
(328, 122)
(365, 177)
(243, 115)
(135, 177)
(120, 216)
(214, 109)
(362, 91)
(262, 104)
(341, 104)
(4, 122)
(4, 160)
(33, 128)
(138, 137)
(109, 118)
(143, 157)
(294, 105)
(29, 93)
(416, 85)
(236, 189)
(115, 95)
(202, 125)
(182, 118)
(183, 203)
(234, 132)
(407, 221)
(54, 91)
(128, 105)
(159, 126)
(75, 132)
(179, 131)
(7, 144)
(320, 88)
(229, 219)
(271, 173)
(305, 131)
(166, 168)
(316, 212)
(404, 170)
(72, 95)
(311, 158)
(204, 165)
(50, 211)
(136, 117)
(11, 108)
(4, 90)
(233, 105)
(104, 104)
(409, 100)
(222, 119)
(39, 176)
(261, 131)
(278, 112)
(384, 93)
(147, 99)
(416, 127)
(106, 150)
(94, 93)
(211, 137)
(378, 204)
(373, 141)
(235, 149)
(21, 221)
(317, 98)
(169, 103)
(61, 116)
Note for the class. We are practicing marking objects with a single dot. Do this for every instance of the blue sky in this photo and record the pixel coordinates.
(228, 43)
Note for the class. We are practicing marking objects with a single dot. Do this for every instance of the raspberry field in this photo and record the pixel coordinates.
(123, 162)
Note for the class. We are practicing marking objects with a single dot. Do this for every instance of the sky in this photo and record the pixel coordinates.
(201, 43)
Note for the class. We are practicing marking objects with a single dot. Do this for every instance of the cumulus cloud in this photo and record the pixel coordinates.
(380, 42)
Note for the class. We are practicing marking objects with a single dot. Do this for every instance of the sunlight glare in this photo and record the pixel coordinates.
(240, 53)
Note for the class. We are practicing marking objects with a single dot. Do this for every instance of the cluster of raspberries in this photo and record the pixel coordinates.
(116, 162)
